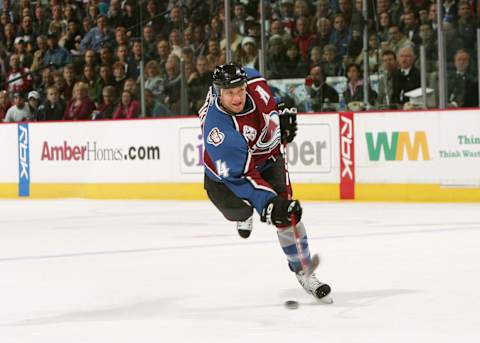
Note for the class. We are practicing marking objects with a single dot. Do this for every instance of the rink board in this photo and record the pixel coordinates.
(410, 156)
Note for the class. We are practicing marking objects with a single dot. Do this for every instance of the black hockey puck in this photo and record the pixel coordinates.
(291, 304)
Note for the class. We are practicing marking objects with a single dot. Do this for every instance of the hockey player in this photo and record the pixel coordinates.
(244, 166)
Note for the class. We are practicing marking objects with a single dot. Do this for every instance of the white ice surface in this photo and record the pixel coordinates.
(153, 271)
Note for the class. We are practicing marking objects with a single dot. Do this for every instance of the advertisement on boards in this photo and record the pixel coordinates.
(396, 148)
(459, 149)
(9, 162)
(310, 155)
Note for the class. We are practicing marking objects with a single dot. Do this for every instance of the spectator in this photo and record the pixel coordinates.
(239, 18)
(154, 80)
(131, 85)
(340, 36)
(329, 66)
(70, 80)
(128, 107)
(321, 94)
(373, 54)
(324, 10)
(24, 57)
(398, 40)
(286, 16)
(89, 58)
(114, 14)
(105, 78)
(461, 84)
(153, 17)
(108, 106)
(322, 37)
(175, 43)
(106, 55)
(149, 46)
(452, 41)
(387, 79)
(119, 77)
(40, 23)
(301, 9)
(53, 108)
(409, 78)
(276, 58)
(295, 67)
(354, 94)
(172, 84)
(154, 108)
(18, 79)
(55, 55)
(429, 40)
(411, 27)
(215, 29)
(277, 29)
(303, 38)
(174, 21)
(163, 51)
(9, 37)
(34, 104)
(198, 84)
(39, 54)
(98, 36)
(90, 78)
(121, 37)
(248, 54)
(315, 57)
(467, 26)
(57, 20)
(135, 59)
(80, 107)
(345, 9)
(214, 54)
(19, 111)
(385, 22)
(69, 40)
(26, 31)
(199, 41)
(4, 104)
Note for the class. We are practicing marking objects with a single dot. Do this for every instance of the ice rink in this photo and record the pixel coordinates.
(155, 271)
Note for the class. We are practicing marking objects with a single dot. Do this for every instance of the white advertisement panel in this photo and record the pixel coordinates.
(9, 166)
(459, 149)
(397, 147)
(310, 155)
(107, 152)
(314, 154)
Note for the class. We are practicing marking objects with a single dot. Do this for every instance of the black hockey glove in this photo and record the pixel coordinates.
(279, 211)
(288, 124)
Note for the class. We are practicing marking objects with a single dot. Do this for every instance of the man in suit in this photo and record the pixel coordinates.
(462, 88)
(408, 78)
(386, 82)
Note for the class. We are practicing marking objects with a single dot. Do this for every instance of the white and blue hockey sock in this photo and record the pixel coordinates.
(286, 238)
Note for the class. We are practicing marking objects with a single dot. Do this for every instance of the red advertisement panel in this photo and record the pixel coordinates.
(347, 156)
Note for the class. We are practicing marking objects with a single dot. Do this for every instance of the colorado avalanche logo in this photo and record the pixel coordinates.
(269, 138)
(215, 137)
(249, 133)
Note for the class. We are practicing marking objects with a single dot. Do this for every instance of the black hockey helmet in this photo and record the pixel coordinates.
(228, 75)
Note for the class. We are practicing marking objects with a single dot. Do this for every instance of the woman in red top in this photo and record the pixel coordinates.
(128, 107)
(80, 107)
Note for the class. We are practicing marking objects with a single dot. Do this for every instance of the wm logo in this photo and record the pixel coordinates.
(400, 143)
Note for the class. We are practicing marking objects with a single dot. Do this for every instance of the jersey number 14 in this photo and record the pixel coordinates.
(222, 169)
